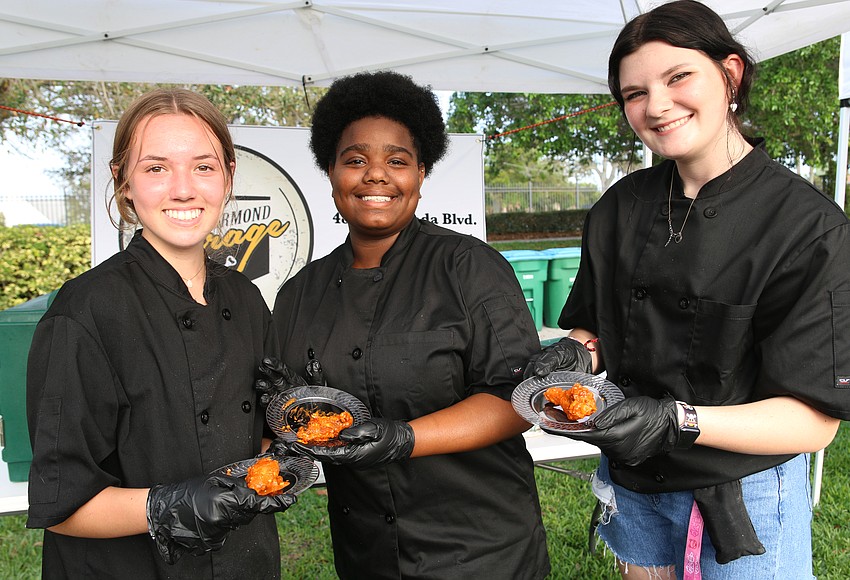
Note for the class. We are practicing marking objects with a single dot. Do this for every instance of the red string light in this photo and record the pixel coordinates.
(555, 120)
(34, 114)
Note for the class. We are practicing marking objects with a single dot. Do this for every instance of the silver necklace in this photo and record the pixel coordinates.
(675, 236)
(189, 280)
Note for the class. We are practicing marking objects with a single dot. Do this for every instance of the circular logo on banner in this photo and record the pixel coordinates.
(266, 231)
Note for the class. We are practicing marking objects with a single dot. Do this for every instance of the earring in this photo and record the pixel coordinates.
(733, 107)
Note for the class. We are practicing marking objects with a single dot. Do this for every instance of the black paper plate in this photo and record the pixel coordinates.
(290, 410)
(530, 403)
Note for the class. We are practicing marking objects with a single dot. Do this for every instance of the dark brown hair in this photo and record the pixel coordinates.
(684, 24)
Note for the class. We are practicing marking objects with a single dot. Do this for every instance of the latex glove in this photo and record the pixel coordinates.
(565, 355)
(196, 515)
(634, 430)
(278, 448)
(314, 372)
(374, 442)
(277, 378)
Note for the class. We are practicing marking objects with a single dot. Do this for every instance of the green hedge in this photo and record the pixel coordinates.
(552, 223)
(35, 260)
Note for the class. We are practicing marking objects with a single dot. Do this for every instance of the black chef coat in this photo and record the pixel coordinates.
(131, 383)
(443, 317)
(753, 303)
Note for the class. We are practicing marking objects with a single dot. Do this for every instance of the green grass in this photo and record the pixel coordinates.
(566, 503)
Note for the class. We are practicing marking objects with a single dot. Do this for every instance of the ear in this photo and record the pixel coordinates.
(113, 167)
(422, 173)
(734, 66)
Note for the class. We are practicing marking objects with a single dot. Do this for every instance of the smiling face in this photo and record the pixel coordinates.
(376, 178)
(176, 182)
(677, 101)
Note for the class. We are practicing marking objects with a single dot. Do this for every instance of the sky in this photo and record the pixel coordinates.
(24, 171)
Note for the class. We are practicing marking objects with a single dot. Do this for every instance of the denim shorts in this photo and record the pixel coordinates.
(650, 530)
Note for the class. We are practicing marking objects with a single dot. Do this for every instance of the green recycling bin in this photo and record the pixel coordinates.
(17, 325)
(530, 267)
(563, 267)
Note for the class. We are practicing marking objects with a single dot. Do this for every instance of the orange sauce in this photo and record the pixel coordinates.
(577, 402)
(264, 477)
(324, 427)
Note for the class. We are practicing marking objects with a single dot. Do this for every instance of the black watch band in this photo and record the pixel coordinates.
(689, 428)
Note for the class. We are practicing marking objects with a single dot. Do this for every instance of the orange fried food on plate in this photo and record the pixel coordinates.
(264, 477)
(577, 402)
(324, 426)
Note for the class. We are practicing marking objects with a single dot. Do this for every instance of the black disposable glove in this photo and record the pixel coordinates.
(374, 442)
(196, 516)
(634, 430)
(278, 449)
(565, 355)
(315, 374)
(277, 378)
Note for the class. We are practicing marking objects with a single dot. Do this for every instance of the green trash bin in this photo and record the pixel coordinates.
(563, 267)
(530, 267)
(17, 325)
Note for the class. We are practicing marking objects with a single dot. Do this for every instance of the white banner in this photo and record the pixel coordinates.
(283, 215)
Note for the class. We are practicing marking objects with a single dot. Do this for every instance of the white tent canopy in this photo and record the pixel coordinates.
(554, 46)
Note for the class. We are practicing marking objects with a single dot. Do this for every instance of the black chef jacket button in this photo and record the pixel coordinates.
(187, 322)
(640, 293)
(225, 313)
(684, 303)
(664, 210)
(356, 353)
(378, 277)
(246, 406)
(390, 518)
(659, 478)
(710, 212)
(625, 381)
(346, 510)
(311, 354)
(205, 417)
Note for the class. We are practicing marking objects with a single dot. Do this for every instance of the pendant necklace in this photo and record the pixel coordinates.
(188, 281)
(675, 236)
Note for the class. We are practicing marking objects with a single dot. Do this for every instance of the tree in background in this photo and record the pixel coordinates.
(793, 105)
(597, 140)
(90, 101)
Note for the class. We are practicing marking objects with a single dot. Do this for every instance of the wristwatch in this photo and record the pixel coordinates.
(689, 428)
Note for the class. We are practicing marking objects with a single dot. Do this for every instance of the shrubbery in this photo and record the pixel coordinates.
(539, 224)
(35, 260)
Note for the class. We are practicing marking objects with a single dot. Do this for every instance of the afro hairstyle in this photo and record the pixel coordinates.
(378, 94)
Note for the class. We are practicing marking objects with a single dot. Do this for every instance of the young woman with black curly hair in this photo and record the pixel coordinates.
(430, 330)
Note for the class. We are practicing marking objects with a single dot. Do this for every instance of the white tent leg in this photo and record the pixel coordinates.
(818, 476)
(841, 161)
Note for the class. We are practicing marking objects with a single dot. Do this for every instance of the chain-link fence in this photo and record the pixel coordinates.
(57, 210)
(537, 197)
(64, 210)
